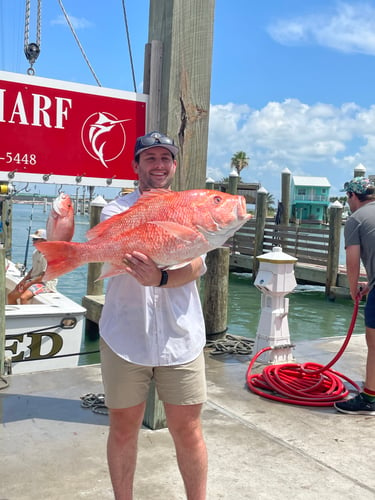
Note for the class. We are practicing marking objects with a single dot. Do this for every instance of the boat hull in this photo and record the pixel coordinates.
(46, 334)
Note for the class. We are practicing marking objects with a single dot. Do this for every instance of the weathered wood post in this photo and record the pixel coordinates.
(210, 183)
(359, 170)
(233, 181)
(2, 311)
(260, 222)
(216, 282)
(182, 30)
(185, 30)
(215, 304)
(94, 268)
(94, 288)
(6, 218)
(285, 196)
(335, 215)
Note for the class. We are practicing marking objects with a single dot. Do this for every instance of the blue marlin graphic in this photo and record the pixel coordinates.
(102, 125)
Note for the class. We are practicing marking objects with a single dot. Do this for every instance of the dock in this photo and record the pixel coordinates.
(258, 449)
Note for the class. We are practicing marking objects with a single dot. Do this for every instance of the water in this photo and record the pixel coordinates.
(311, 315)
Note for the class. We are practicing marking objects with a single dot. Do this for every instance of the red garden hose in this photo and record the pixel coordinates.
(307, 384)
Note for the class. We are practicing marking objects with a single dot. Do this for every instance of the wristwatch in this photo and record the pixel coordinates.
(164, 278)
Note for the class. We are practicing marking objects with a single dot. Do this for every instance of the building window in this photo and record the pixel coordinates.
(301, 191)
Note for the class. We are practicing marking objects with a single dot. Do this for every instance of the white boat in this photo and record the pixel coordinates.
(43, 335)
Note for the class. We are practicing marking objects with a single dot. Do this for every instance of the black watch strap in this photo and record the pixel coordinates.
(164, 278)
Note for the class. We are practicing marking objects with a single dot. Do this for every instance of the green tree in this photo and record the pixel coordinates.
(239, 161)
(341, 199)
(270, 202)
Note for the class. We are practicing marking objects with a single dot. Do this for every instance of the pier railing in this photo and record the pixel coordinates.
(315, 248)
(308, 245)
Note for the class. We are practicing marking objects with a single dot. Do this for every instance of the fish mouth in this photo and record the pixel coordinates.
(56, 207)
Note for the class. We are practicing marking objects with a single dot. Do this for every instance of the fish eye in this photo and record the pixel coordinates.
(217, 199)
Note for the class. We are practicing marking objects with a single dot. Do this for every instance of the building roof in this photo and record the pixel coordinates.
(303, 180)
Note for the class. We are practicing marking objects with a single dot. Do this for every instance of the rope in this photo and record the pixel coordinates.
(32, 50)
(129, 46)
(231, 344)
(3, 383)
(95, 402)
(308, 384)
(78, 42)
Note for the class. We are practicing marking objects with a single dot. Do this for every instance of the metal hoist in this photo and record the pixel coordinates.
(32, 50)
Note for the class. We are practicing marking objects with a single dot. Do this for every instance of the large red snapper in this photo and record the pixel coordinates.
(60, 222)
(172, 228)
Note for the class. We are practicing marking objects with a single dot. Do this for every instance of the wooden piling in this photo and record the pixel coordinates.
(335, 215)
(233, 182)
(260, 221)
(215, 304)
(93, 270)
(186, 81)
(285, 196)
(6, 218)
(216, 279)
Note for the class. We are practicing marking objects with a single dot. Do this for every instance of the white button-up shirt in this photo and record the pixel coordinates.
(148, 325)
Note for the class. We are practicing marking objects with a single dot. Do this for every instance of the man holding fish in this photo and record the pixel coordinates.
(152, 327)
(152, 243)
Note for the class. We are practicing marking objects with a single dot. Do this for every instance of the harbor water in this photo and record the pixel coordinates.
(311, 315)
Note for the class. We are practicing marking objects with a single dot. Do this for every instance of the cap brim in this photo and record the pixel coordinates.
(171, 147)
(37, 237)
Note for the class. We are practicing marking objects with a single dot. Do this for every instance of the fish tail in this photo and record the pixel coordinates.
(61, 256)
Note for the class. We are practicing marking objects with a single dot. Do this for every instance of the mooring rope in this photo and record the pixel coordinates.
(95, 402)
(231, 344)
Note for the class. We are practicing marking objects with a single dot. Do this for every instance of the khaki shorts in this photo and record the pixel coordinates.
(127, 384)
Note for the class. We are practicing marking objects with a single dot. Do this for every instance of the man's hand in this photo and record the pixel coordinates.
(362, 290)
(142, 268)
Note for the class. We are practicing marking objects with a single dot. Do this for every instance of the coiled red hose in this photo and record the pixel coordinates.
(307, 384)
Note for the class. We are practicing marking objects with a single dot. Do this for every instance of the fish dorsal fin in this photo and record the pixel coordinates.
(103, 227)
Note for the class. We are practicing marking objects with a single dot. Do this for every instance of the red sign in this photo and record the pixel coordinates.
(61, 132)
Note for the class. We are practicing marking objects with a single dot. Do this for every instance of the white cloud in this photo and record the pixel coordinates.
(349, 28)
(321, 140)
(77, 23)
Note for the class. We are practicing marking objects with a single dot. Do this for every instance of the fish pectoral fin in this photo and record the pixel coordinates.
(187, 234)
(178, 266)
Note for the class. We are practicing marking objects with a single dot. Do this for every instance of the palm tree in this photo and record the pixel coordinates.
(270, 202)
(239, 161)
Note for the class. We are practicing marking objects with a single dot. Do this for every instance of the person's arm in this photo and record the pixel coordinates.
(144, 270)
(353, 262)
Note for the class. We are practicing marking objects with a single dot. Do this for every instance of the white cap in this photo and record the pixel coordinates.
(40, 234)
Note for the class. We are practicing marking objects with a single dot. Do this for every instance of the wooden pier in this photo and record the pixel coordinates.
(315, 248)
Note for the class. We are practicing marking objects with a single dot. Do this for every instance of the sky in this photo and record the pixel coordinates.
(292, 81)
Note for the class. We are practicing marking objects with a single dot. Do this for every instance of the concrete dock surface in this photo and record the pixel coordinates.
(52, 448)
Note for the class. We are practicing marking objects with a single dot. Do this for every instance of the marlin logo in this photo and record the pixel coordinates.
(99, 133)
